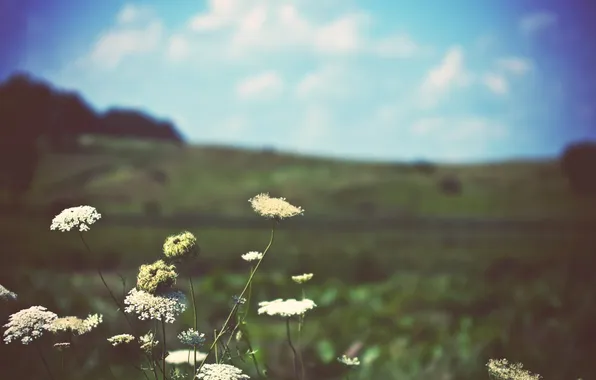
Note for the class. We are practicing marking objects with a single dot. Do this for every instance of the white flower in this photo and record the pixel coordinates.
(502, 369)
(221, 372)
(164, 307)
(191, 337)
(75, 325)
(28, 324)
(184, 357)
(349, 361)
(285, 308)
(274, 208)
(302, 278)
(81, 217)
(148, 342)
(252, 256)
(6, 294)
(117, 340)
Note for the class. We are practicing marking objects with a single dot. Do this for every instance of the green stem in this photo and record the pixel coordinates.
(165, 352)
(292, 347)
(45, 363)
(194, 308)
(222, 331)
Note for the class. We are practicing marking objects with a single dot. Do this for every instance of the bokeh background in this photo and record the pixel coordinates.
(444, 153)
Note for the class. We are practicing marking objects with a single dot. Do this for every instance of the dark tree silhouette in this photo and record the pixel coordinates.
(578, 163)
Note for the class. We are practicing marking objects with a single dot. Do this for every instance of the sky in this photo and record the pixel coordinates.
(392, 80)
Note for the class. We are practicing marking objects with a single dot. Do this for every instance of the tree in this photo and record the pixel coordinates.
(578, 164)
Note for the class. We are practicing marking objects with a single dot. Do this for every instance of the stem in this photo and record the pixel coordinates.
(222, 331)
(45, 364)
(194, 308)
(163, 356)
(292, 347)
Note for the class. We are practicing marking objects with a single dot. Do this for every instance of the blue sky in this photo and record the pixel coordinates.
(459, 80)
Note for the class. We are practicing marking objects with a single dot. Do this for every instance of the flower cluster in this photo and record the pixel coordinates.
(148, 342)
(28, 324)
(179, 247)
(274, 208)
(156, 277)
(301, 279)
(164, 307)
(286, 308)
(221, 372)
(81, 217)
(350, 362)
(7, 295)
(191, 337)
(252, 256)
(117, 340)
(74, 325)
(503, 370)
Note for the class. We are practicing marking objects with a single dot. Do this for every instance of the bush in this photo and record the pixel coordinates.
(450, 185)
(578, 164)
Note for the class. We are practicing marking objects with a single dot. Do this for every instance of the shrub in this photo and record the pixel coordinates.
(450, 185)
(578, 164)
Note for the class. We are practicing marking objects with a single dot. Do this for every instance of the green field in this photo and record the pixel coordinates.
(425, 304)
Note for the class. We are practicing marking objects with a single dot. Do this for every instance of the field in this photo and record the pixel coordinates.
(425, 303)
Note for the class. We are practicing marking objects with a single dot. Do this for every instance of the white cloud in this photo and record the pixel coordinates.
(397, 46)
(178, 48)
(442, 78)
(220, 14)
(459, 129)
(342, 35)
(515, 65)
(131, 13)
(268, 83)
(496, 83)
(326, 82)
(534, 22)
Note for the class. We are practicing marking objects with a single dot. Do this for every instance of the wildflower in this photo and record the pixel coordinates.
(92, 321)
(274, 208)
(503, 370)
(184, 357)
(6, 294)
(302, 278)
(221, 372)
(148, 342)
(191, 337)
(75, 325)
(285, 308)
(179, 247)
(28, 324)
(117, 340)
(61, 346)
(165, 307)
(156, 277)
(81, 217)
(350, 362)
(252, 256)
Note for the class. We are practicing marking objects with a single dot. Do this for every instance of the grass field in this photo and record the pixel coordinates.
(425, 304)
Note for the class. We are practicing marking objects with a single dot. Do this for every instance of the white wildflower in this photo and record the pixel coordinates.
(7, 295)
(502, 369)
(92, 321)
(119, 339)
(81, 217)
(274, 208)
(164, 307)
(74, 325)
(285, 308)
(185, 356)
(62, 346)
(302, 278)
(349, 361)
(221, 372)
(252, 256)
(191, 337)
(148, 342)
(28, 324)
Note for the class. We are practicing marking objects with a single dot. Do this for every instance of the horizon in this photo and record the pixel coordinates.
(372, 83)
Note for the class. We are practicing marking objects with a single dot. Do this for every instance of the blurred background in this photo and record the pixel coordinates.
(444, 154)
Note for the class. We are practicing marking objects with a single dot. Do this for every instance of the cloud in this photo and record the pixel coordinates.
(515, 65)
(268, 83)
(396, 46)
(535, 22)
(220, 14)
(342, 35)
(178, 48)
(442, 78)
(131, 13)
(326, 82)
(496, 83)
(459, 129)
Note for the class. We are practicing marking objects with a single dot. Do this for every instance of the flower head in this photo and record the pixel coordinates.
(252, 256)
(191, 337)
(164, 307)
(221, 372)
(274, 208)
(62, 346)
(285, 308)
(117, 340)
(7, 295)
(185, 356)
(503, 370)
(179, 247)
(80, 216)
(148, 342)
(302, 278)
(156, 277)
(74, 325)
(350, 362)
(28, 324)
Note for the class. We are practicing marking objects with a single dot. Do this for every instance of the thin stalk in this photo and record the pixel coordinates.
(292, 347)
(194, 309)
(45, 363)
(163, 356)
(235, 307)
